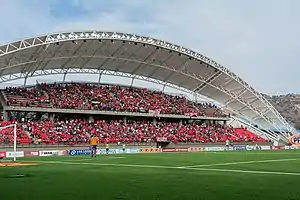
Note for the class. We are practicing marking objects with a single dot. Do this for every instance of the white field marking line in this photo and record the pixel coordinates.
(245, 171)
(172, 167)
(242, 162)
(256, 153)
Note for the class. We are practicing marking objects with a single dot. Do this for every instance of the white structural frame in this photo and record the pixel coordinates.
(56, 38)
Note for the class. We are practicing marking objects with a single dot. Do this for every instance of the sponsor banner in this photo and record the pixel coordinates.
(110, 151)
(154, 112)
(287, 147)
(193, 149)
(214, 148)
(31, 153)
(128, 150)
(74, 152)
(253, 147)
(175, 150)
(102, 151)
(131, 150)
(294, 147)
(191, 114)
(149, 150)
(2, 154)
(161, 139)
(295, 140)
(11, 154)
(49, 153)
(239, 148)
(265, 148)
(275, 147)
(249, 148)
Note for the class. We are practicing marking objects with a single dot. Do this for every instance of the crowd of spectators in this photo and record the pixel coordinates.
(78, 131)
(7, 134)
(112, 98)
(107, 98)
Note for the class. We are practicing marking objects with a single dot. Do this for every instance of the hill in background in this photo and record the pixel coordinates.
(289, 106)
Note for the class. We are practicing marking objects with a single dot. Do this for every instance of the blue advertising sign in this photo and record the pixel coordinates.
(79, 152)
(240, 148)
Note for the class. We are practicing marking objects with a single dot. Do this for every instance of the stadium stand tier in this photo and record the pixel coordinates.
(68, 129)
(107, 98)
(77, 131)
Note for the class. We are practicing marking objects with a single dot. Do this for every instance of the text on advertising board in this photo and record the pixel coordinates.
(214, 148)
(175, 150)
(149, 150)
(192, 149)
(49, 153)
(239, 148)
(74, 152)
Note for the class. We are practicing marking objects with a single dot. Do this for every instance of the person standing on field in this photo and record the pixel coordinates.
(124, 147)
(107, 148)
(94, 143)
(227, 145)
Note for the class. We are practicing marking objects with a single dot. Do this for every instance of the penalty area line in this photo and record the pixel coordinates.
(242, 162)
(172, 167)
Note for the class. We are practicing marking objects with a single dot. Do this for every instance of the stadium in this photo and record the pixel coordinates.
(222, 133)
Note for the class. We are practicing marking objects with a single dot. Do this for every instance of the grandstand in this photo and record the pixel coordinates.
(67, 113)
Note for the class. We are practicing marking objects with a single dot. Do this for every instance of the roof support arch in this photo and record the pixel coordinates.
(154, 55)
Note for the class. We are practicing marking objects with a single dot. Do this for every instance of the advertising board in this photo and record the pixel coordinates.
(295, 140)
(175, 150)
(249, 147)
(239, 148)
(31, 153)
(74, 152)
(2, 154)
(49, 153)
(275, 147)
(194, 149)
(11, 154)
(265, 148)
(129, 150)
(214, 148)
(110, 151)
(161, 139)
(149, 150)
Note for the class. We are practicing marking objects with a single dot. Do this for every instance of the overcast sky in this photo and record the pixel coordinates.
(257, 39)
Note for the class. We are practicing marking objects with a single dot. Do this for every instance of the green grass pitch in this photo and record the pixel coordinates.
(244, 175)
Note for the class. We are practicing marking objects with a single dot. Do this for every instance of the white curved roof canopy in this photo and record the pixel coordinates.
(100, 52)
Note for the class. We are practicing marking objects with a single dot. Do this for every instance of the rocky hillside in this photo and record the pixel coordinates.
(288, 106)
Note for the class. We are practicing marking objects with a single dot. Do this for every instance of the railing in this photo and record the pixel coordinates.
(98, 112)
